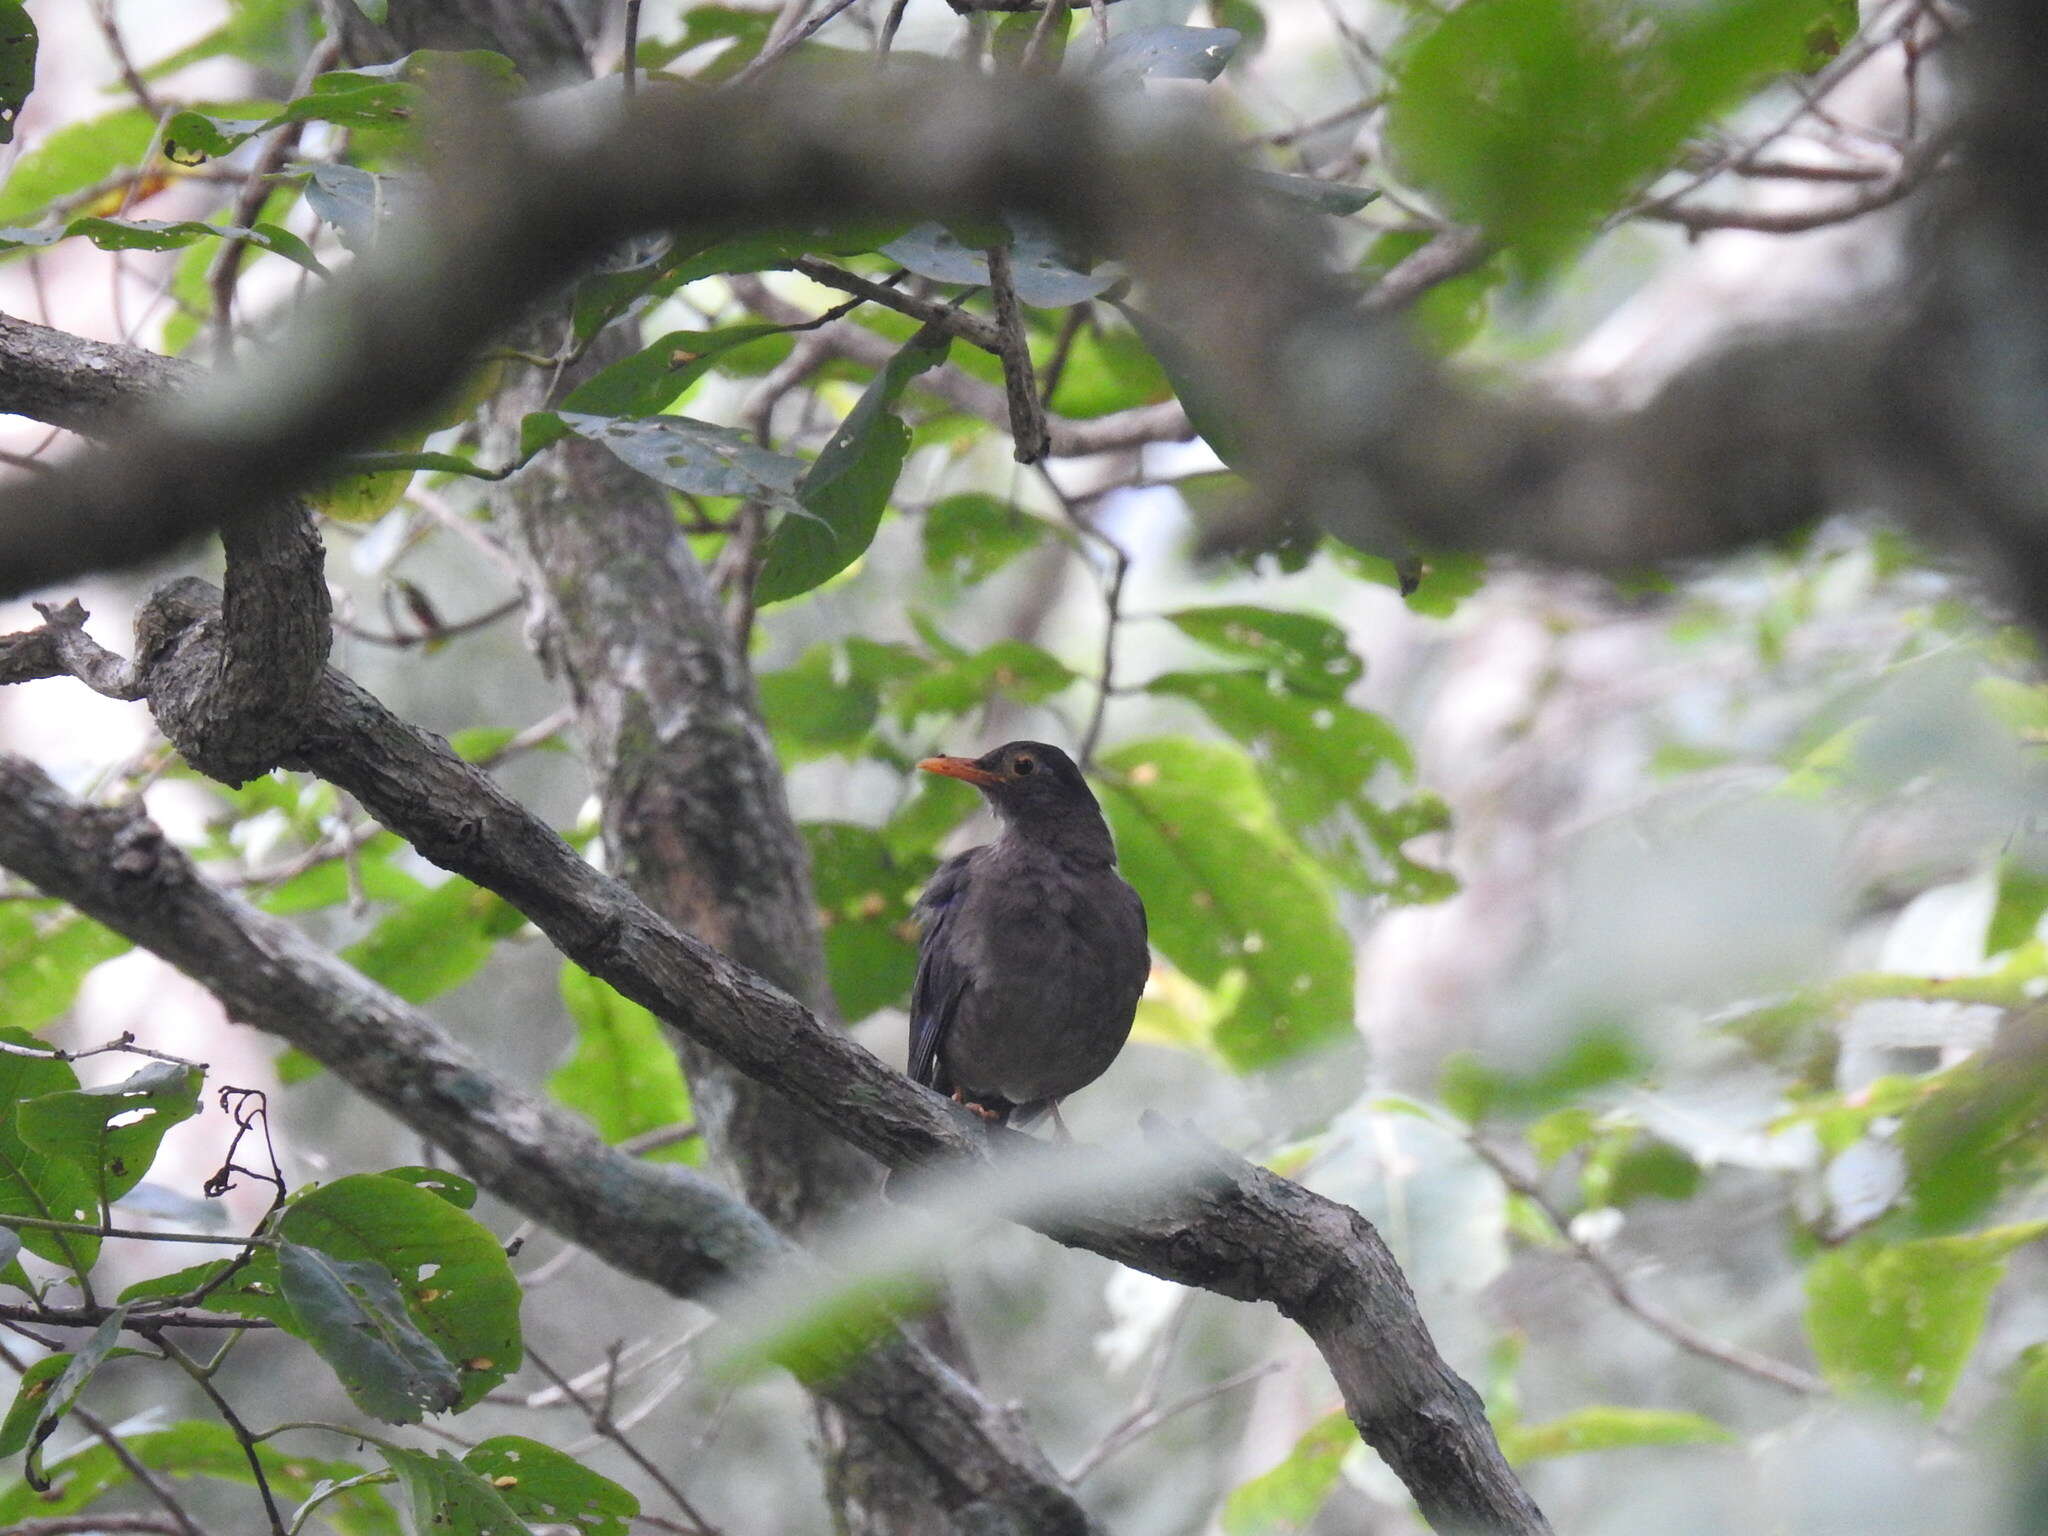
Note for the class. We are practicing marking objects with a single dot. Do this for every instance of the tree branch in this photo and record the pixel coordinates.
(1233, 1228)
(664, 1224)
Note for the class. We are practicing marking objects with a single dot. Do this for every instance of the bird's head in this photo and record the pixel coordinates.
(1032, 786)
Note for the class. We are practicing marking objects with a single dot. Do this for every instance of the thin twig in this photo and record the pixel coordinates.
(632, 44)
(1751, 1363)
(955, 321)
(601, 1421)
(226, 274)
(103, 13)
(1139, 1425)
(777, 48)
(204, 1379)
(1112, 603)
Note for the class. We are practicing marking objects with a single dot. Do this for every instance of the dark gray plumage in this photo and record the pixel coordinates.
(1033, 953)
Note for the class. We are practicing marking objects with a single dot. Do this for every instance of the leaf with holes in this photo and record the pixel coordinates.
(17, 63)
(450, 1498)
(351, 1312)
(113, 1131)
(36, 1183)
(539, 1483)
(1899, 1320)
(847, 488)
(1228, 891)
(53, 1404)
(1168, 53)
(449, 1269)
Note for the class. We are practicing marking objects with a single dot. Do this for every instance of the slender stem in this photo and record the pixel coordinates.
(1684, 1335)
(632, 44)
(787, 41)
(236, 1427)
(601, 1421)
(1112, 603)
(1138, 1425)
(91, 1229)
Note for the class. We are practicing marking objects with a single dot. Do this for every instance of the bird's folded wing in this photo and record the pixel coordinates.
(942, 979)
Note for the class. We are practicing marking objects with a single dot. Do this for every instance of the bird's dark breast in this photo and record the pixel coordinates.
(1073, 946)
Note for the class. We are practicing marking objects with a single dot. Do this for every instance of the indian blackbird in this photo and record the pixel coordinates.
(1033, 953)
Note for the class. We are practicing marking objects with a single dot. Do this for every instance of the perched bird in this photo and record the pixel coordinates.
(1033, 953)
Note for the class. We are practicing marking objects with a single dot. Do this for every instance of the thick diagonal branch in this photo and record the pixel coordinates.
(1236, 1229)
(664, 1224)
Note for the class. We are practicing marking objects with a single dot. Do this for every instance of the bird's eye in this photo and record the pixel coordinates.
(1022, 765)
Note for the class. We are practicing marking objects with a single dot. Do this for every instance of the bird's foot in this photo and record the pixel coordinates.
(960, 1098)
(1059, 1126)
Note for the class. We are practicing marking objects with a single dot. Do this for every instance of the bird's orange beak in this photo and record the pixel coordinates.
(961, 768)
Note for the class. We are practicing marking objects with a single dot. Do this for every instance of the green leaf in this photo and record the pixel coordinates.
(686, 455)
(251, 1291)
(1168, 53)
(46, 951)
(1973, 1137)
(35, 1390)
(199, 1449)
(1285, 1499)
(1227, 891)
(71, 159)
(452, 1273)
(847, 488)
(746, 30)
(1535, 118)
(435, 942)
(820, 1337)
(1045, 274)
(1631, 1165)
(1205, 397)
(81, 1124)
(1009, 669)
(1109, 368)
(864, 890)
(258, 31)
(1332, 197)
(1594, 1057)
(53, 1404)
(367, 494)
(646, 384)
(1899, 1320)
(973, 535)
(827, 702)
(539, 1483)
(1606, 1428)
(358, 204)
(623, 1077)
(2022, 899)
(33, 1183)
(17, 63)
(450, 1499)
(350, 1310)
(1310, 652)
